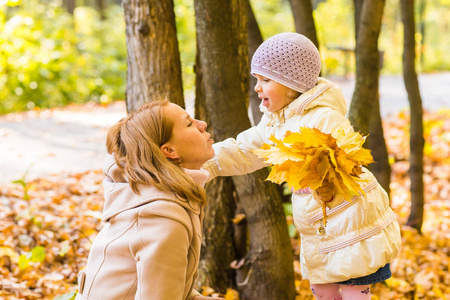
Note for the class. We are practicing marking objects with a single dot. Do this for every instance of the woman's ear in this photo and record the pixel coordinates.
(169, 151)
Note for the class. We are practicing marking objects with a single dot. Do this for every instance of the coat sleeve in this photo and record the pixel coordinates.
(235, 156)
(161, 251)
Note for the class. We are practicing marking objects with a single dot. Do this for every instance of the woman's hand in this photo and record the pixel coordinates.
(200, 297)
(325, 192)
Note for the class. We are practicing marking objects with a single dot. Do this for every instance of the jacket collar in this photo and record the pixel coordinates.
(119, 196)
(324, 93)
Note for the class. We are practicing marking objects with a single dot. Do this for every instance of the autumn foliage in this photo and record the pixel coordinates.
(309, 158)
(47, 226)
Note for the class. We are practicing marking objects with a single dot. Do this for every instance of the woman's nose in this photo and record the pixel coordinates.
(201, 125)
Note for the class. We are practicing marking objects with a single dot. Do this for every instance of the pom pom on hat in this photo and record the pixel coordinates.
(290, 59)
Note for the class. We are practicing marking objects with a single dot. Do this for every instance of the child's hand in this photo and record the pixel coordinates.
(325, 192)
(199, 297)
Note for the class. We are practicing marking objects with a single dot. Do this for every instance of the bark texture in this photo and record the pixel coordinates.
(154, 67)
(415, 103)
(217, 244)
(304, 20)
(365, 107)
(265, 271)
(381, 169)
(367, 65)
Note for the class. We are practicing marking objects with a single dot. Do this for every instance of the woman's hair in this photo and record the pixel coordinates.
(136, 143)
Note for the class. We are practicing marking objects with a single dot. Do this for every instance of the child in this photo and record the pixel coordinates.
(149, 247)
(361, 237)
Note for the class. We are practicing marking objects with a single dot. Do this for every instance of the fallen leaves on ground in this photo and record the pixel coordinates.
(45, 240)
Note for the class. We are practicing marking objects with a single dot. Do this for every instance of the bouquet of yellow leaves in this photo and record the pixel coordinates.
(309, 157)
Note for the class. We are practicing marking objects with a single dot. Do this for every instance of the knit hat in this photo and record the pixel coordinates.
(290, 59)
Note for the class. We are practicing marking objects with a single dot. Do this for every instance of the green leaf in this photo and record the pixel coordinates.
(292, 230)
(37, 254)
(287, 209)
(20, 181)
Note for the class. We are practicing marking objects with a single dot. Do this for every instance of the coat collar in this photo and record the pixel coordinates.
(324, 93)
(119, 196)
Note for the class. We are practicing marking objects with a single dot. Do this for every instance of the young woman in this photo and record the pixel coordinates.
(149, 247)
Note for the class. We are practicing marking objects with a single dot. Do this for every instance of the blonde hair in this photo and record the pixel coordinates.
(135, 142)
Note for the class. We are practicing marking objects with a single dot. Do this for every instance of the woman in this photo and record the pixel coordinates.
(149, 247)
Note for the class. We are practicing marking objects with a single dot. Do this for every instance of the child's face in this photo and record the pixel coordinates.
(274, 95)
(189, 142)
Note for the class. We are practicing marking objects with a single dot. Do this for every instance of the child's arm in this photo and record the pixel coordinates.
(234, 156)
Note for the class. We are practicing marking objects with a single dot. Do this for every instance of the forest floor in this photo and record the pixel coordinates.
(50, 217)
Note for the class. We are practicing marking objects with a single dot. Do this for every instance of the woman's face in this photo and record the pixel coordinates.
(189, 142)
(274, 95)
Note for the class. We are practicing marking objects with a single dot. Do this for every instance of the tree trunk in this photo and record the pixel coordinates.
(367, 65)
(70, 6)
(154, 67)
(217, 244)
(357, 5)
(381, 169)
(266, 272)
(415, 102)
(303, 18)
(223, 69)
(101, 5)
(365, 107)
(223, 60)
(254, 40)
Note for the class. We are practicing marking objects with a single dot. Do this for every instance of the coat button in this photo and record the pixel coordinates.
(321, 230)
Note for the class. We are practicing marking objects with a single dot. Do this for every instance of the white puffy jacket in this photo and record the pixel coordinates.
(360, 236)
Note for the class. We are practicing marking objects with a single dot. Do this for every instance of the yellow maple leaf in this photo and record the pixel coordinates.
(277, 154)
(308, 157)
(351, 142)
(281, 173)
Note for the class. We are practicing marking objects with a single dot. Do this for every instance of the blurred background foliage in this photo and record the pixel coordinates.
(50, 57)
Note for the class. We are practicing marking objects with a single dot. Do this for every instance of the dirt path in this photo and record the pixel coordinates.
(72, 139)
(68, 140)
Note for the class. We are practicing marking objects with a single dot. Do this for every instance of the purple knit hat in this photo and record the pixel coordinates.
(290, 59)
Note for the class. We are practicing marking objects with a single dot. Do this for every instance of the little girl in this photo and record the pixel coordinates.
(149, 247)
(361, 237)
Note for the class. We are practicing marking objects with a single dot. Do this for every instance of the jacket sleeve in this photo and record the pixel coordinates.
(161, 251)
(235, 156)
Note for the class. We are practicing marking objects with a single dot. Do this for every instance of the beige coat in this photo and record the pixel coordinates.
(361, 236)
(149, 247)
